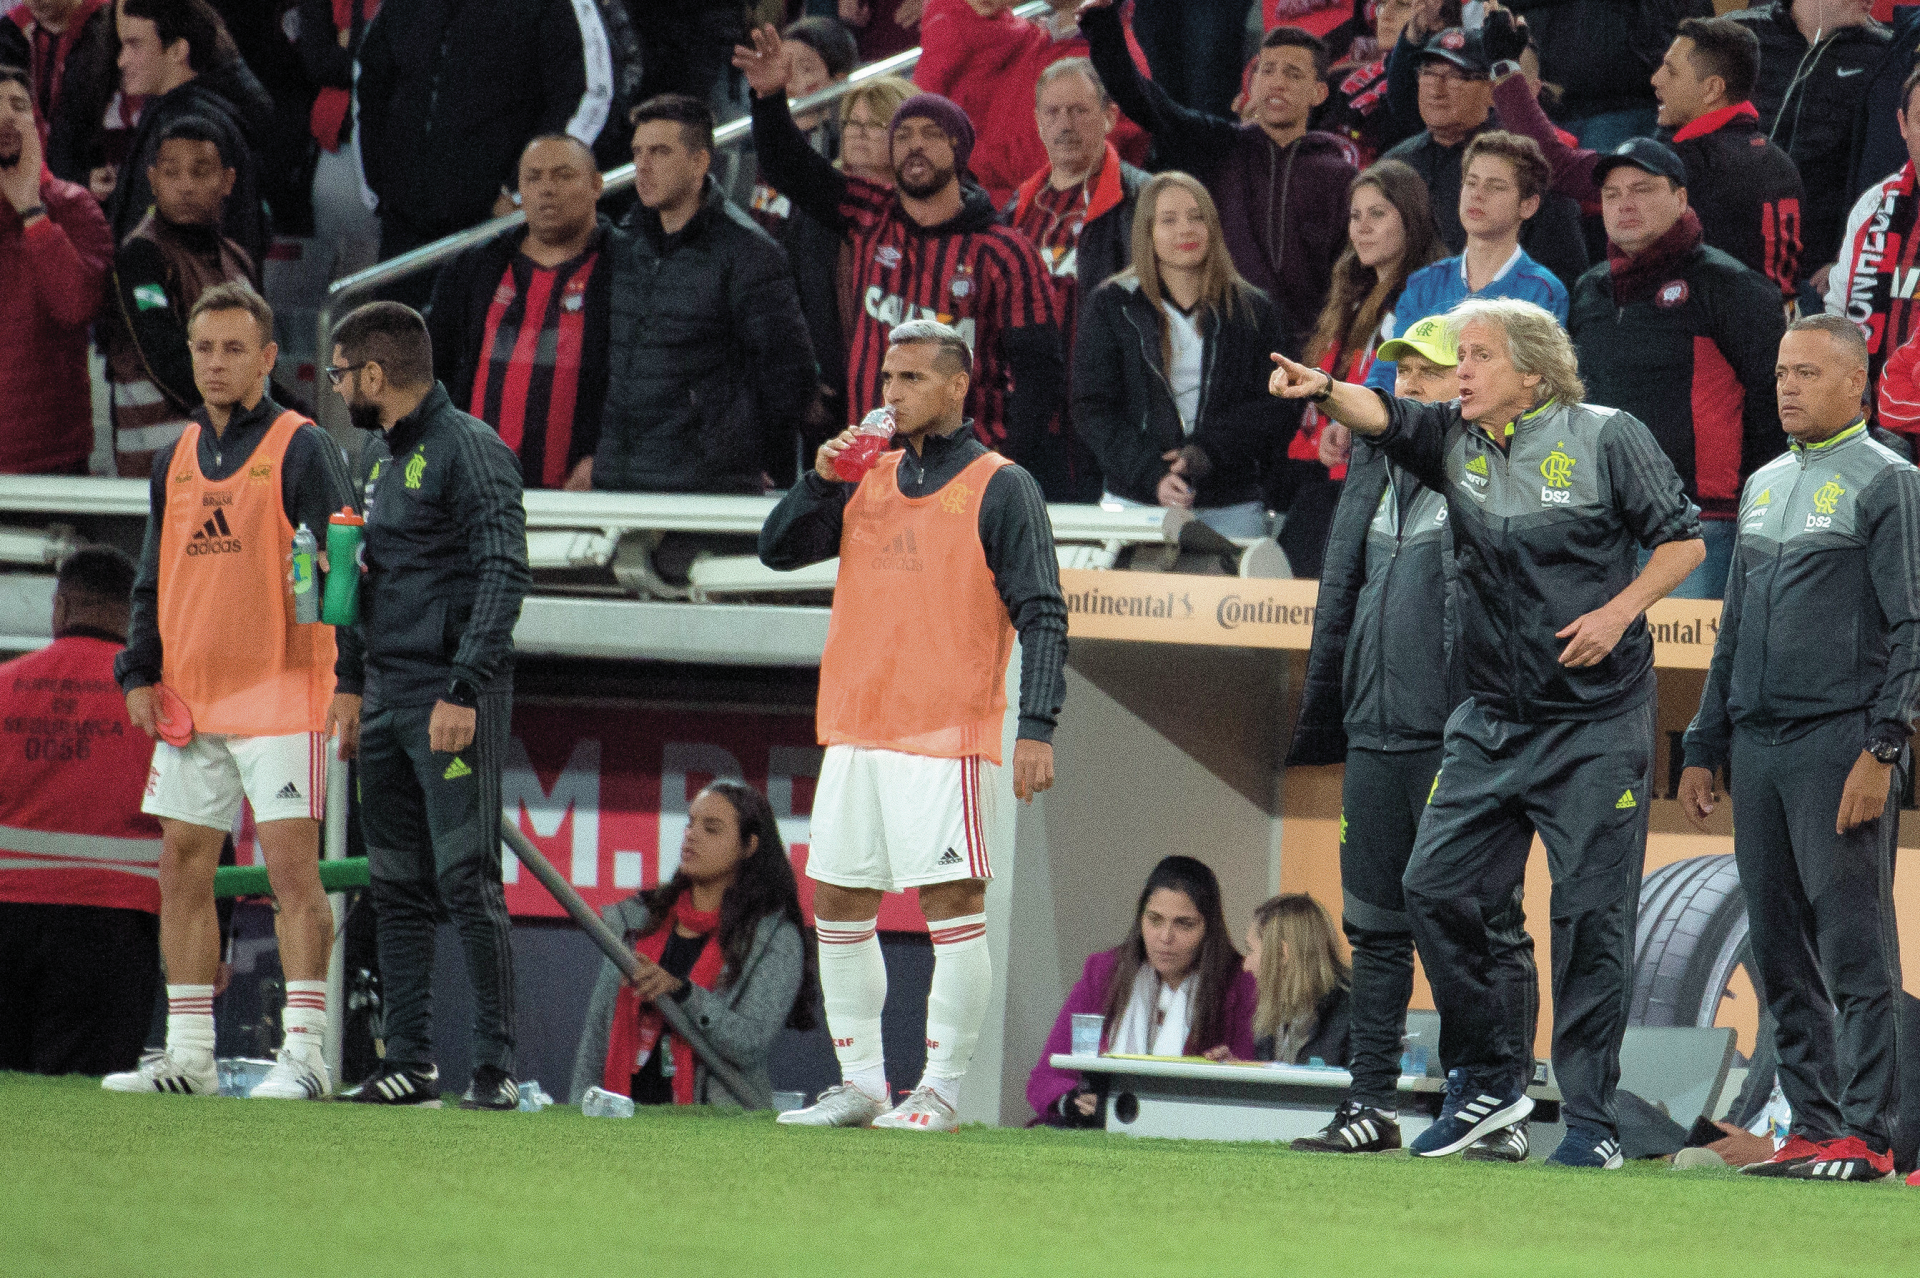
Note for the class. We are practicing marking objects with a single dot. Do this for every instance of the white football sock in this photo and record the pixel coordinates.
(957, 1001)
(190, 1019)
(853, 985)
(303, 1021)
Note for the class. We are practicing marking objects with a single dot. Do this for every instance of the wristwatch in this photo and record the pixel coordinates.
(1325, 393)
(460, 692)
(1887, 752)
(1502, 69)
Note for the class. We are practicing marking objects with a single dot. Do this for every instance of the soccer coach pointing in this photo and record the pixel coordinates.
(1812, 693)
(1550, 501)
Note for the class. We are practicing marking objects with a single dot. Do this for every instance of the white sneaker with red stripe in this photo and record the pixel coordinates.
(921, 1111)
(187, 1074)
(294, 1076)
(842, 1105)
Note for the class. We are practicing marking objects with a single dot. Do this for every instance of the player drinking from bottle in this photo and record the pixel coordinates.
(945, 554)
(213, 618)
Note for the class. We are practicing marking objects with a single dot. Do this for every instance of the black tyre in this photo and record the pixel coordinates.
(1691, 936)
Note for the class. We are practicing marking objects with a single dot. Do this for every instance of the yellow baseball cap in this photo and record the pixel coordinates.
(1429, 337)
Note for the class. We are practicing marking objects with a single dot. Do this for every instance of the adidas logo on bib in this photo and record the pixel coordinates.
(457, 769)
(1625, 802)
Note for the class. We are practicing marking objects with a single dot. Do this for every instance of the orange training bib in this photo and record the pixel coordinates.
(230, 645)
(918, 644)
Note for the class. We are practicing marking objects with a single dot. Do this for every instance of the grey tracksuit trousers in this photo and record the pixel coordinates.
(1382, 797)
(1820, 913)
(432, 828)
(1583, 786)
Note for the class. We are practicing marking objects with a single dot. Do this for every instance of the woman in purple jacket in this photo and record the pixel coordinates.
(1174, 987)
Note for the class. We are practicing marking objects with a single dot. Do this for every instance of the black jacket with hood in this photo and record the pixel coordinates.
(232, 101)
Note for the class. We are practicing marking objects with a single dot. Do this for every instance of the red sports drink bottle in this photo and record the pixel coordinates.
(870, 439)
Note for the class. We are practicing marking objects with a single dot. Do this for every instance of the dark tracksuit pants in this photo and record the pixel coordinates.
(432, 828)
(1582, 785)
(1820, 919)
(1382, 797)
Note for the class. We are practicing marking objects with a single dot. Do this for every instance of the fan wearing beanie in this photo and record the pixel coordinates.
(928, 247)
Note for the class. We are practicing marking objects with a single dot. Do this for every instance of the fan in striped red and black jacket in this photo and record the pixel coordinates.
(523, 347)
(1875, 282)
(983, 278)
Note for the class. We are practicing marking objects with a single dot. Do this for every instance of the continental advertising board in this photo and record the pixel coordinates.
(1231, 612)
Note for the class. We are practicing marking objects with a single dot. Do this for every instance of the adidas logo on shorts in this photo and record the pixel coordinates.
(950, 857)
(289, 791)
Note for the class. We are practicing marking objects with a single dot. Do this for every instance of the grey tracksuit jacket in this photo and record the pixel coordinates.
(1822, 610)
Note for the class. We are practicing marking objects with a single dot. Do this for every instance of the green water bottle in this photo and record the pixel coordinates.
(341, 606)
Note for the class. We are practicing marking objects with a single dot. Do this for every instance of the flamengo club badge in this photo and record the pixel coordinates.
(1671, 294)
(887, 255)
(962, 280)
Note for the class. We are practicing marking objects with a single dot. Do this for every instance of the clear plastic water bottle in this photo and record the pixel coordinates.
(306, 589)
(870, 439)
(601, 1103)
(532, 1098)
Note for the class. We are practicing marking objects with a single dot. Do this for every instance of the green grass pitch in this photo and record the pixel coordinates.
(139, 1185)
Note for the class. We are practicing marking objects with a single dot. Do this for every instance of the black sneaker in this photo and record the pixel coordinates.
(399, 1085)
(1474, 1106)
(1584, 1147)
(491, 1089)
(1355, 1129)
(1508, 1145)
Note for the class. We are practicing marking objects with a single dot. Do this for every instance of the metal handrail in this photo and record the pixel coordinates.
(730, 134)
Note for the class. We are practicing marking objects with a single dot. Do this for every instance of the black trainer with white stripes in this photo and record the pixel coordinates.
(399, 1085)
(1355, 1129)
(1508, 1145)
(1474, 1106)
(492, 1088)
(1584, 1147)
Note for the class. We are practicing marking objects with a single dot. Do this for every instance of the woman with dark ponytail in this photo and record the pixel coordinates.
(722, 939)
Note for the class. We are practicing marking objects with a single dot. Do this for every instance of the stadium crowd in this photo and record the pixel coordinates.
(1664, 231)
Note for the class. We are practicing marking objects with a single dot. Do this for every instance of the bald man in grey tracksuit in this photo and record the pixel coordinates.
(1811, 696)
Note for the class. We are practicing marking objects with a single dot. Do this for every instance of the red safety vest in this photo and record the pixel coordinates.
(72, 773)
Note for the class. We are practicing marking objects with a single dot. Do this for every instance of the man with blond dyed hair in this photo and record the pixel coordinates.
(1550, 501)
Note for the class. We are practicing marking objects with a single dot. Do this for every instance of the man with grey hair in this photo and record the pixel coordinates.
(1078, 211)
(1811, 697)
(945, 555)
(1550, 501)
(992, 61)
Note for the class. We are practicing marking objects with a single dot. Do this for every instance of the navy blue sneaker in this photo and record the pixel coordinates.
(1474, 1107)
(1584, 1147)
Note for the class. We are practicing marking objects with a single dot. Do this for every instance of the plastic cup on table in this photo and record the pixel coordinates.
(1086, 1033)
